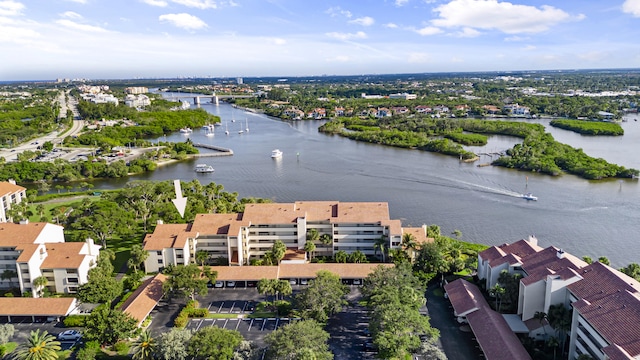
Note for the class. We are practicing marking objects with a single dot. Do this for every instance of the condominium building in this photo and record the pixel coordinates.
(10, 193)
(31, 250)
(242, 237)
(605, 302)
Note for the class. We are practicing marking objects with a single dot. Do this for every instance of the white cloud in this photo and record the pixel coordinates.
(504, 16)
(198, 4)
(632, 7)
(516, 38)
(184, 21)
(276, 41)
(468, 32)
(337, 10)
(428, 30)
(529, 48)
(347, 36)
(594, 56)
(390, 25)
(419, 58)
(364, 21)
(401, 2)
(11, 8)
(71, 15)
(78, 1)
(82, 27)
(339, 58)
(158, 3)
(456, 59)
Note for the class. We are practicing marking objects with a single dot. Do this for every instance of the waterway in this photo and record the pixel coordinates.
(595, 218)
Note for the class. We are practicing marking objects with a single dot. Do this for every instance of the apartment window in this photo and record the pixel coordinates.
(72, 271)
(159, 253)
(72, 280)
(73, 289)
(159, 261)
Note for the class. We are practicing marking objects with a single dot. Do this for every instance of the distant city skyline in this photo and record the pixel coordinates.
(238, 38)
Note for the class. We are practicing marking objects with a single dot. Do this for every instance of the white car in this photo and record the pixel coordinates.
(70, 335)
(231, 284)
(219, 284)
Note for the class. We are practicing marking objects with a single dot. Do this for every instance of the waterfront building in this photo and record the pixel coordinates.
(603, 300)
(31, 250)
(138, 101)
(136, 90)
(10, 194)
(243, 237)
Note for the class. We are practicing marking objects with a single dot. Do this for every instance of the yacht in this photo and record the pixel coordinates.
(276, 153)
(529, 196)
(204, 168)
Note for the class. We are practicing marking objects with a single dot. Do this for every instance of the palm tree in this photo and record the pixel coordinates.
(201, 257)
(39, 346)
(409, 244)
(8, 275)
(541, 316)
(39, 283)
(309, 248)
(358, 257)
(144, 347)
(497, 291)
(380, 245)
(341, 256)
(552, 342)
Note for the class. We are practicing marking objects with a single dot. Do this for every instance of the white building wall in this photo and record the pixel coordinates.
(533, 299)
(494, 273)
(586, 338)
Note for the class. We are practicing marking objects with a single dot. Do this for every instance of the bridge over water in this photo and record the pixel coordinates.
(215, 99)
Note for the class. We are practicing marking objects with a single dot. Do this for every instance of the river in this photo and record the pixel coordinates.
(595, 218)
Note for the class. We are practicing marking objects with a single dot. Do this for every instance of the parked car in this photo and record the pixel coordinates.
(251, 306)
(357, 281)
(219, 284)
(231, 284)
(304, 281)
(69, 335)
(293, 281)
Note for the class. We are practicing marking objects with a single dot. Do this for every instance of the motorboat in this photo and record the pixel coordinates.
(186, 130)
(529, 196)
(276, 153)
(204, 168)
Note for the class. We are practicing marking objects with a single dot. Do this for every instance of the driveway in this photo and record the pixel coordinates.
(456, 343)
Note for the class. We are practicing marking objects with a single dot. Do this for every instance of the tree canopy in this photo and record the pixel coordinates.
(300, 340)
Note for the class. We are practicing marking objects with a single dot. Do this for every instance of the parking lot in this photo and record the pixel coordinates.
(251, 329)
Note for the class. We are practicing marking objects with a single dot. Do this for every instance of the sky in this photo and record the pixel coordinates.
(121, 39)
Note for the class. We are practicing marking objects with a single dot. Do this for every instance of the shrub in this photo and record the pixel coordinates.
(121, 347)
(74, 320)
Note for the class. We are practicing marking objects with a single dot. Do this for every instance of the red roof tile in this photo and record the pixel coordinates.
(495, 337)
(465, 297)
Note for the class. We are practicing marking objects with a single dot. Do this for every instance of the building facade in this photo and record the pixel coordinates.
(241, 238)
(604, 302)
(32, 250)
(10, 194)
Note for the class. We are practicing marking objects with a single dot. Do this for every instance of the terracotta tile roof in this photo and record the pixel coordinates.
(291, 271)
(419, 234)
(465, 297)
(511, 259)
(63, 256)
(246, 273)
(218, 224)
(294, 254)
(168, 236)
(145, 298)
(7, 188)
(495, 337)
(491, 253)
(615, 352)
(345, 271)
(521, 248)
(542, 273)
(610, 301)
(28, 250)
(36, 306)
(332, 211)
(13, 234)
(548, 259)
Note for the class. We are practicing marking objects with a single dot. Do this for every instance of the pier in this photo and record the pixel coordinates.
(220, 151)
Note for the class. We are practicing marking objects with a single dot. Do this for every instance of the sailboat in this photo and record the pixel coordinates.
(247, 124)
(226, 132)
(240, 131)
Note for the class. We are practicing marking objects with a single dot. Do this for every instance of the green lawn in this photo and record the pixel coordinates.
(261, 315)
(222, 316)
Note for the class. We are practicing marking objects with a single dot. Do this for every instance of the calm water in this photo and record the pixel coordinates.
(583, 217)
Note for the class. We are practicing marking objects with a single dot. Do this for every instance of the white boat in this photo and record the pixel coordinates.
(226, 128)
(184, 105)
(247, 122)
(204, 168)
(529, 196)
(276, 153)
(186, 130)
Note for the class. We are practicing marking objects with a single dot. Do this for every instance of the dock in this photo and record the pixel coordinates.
(220, 151)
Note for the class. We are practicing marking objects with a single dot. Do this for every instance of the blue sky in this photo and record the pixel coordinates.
(100, 39)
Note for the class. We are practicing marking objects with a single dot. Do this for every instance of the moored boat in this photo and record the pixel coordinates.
(204, 168)
(276, 153)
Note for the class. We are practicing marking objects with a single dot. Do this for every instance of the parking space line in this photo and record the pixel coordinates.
(232, 305)
(209, 307)
(225, 323)
(238, 324)
(251, 324)
(277, 321)
(199, 324)
(220, 308)
(264, 322)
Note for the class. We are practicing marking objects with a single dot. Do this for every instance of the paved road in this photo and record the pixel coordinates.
(457, 344)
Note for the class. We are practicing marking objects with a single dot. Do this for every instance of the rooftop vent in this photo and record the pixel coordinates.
(560, 254)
